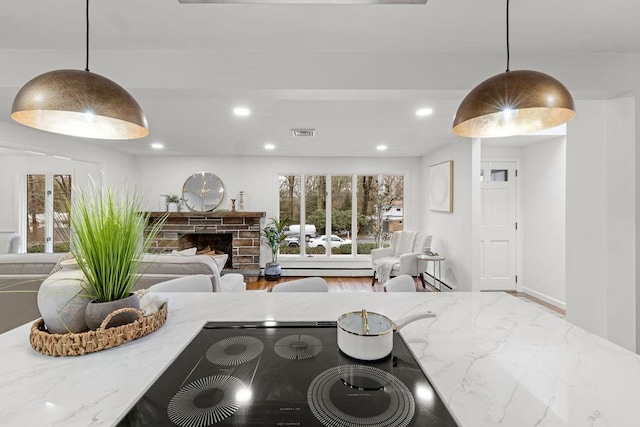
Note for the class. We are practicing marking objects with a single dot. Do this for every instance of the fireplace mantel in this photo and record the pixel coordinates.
(213, 214)
(243, 226)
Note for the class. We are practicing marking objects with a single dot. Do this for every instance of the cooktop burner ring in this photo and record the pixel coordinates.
(399, 412)
(234, 351)
(298, 347)
(183, 410)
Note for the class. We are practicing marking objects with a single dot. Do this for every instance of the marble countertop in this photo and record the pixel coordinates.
(494, 359)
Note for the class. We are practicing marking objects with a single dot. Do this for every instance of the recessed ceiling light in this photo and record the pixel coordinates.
(157, 146)
(62, 157)
(269, 147)
(422, 112)
(37, 153)
(381, 147)
(241, 111)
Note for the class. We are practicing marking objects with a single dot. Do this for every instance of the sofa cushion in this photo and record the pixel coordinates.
(39, 263)
(177, 265)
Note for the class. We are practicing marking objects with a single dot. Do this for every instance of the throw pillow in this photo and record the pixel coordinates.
(185, 252)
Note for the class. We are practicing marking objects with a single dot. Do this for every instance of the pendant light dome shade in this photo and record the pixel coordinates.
(514, 103)
(79, 103)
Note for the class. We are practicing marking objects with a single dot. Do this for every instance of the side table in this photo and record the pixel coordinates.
(436, 278)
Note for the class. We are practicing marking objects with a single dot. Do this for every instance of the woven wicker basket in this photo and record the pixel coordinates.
(100, 339)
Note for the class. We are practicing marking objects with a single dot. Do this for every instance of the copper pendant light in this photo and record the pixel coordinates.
(79, 103)
(513, 103)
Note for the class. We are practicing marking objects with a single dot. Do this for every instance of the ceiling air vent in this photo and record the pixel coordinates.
(303, 132)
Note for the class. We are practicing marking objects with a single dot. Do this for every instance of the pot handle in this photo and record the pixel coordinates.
(412, 318)
(365, 321)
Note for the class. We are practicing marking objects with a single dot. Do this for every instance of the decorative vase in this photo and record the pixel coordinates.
(163, 203)
(272, 272)
(96, 312)
(63, 298)
(173, 207)
(233, 205)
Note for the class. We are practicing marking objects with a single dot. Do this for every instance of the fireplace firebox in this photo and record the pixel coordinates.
(221, 243)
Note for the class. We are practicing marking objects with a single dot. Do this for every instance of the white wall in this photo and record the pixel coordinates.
(453, 233)
(601, 220)
(543, 200)
(258, 178)
(621, 222)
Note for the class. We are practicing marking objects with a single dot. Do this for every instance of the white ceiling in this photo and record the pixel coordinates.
(138, 41)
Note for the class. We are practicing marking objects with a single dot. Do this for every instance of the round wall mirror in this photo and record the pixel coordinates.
(202, 192)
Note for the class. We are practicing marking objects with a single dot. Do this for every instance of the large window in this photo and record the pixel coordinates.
(47, 222)
(340, 215)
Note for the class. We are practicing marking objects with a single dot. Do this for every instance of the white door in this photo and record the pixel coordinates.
(498, 226)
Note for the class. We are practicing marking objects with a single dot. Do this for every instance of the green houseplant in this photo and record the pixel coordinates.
(274, 235)
(173, 202)
(110, 236)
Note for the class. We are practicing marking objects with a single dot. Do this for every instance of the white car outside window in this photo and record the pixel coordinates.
(336, 241)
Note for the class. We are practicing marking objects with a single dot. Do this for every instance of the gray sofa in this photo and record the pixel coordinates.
(159, 268)
(20, 279)
(22, 274)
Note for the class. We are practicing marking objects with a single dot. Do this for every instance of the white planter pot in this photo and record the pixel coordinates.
(63, 299)
(173, 207)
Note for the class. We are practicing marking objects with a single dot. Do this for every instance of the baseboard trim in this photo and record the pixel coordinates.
(549, 300)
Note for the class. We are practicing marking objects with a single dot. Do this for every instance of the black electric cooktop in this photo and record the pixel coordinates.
(286, 374)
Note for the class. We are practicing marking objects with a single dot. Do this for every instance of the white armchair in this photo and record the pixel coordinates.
(401, 257)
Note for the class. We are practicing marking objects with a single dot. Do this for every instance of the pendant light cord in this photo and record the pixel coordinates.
(86, 68)
(507, 35)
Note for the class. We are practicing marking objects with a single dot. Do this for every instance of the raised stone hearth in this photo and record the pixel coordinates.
(188, 229)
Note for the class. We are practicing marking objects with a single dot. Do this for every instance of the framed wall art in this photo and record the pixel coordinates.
(441, 187)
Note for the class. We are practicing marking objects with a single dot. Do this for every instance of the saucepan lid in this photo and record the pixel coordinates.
(365, 323)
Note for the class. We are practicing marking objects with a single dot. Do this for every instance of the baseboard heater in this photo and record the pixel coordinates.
(433, 280)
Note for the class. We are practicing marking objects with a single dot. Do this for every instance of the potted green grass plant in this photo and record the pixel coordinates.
(274, 235)
(110, 234)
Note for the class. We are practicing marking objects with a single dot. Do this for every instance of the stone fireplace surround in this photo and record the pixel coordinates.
(188, 229)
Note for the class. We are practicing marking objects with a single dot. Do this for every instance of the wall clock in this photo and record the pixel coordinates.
(202, 192)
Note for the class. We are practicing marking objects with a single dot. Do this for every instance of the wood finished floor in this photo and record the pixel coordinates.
(363, 284)
(336, 284)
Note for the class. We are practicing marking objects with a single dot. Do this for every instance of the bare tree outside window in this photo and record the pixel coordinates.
(48, 223)
(378, 210)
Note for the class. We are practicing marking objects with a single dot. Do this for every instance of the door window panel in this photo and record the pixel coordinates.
(47, 222)
(36, 198)
(499, 175)
(61, 224)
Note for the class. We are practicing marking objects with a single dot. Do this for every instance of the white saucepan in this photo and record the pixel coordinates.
(369, 336)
